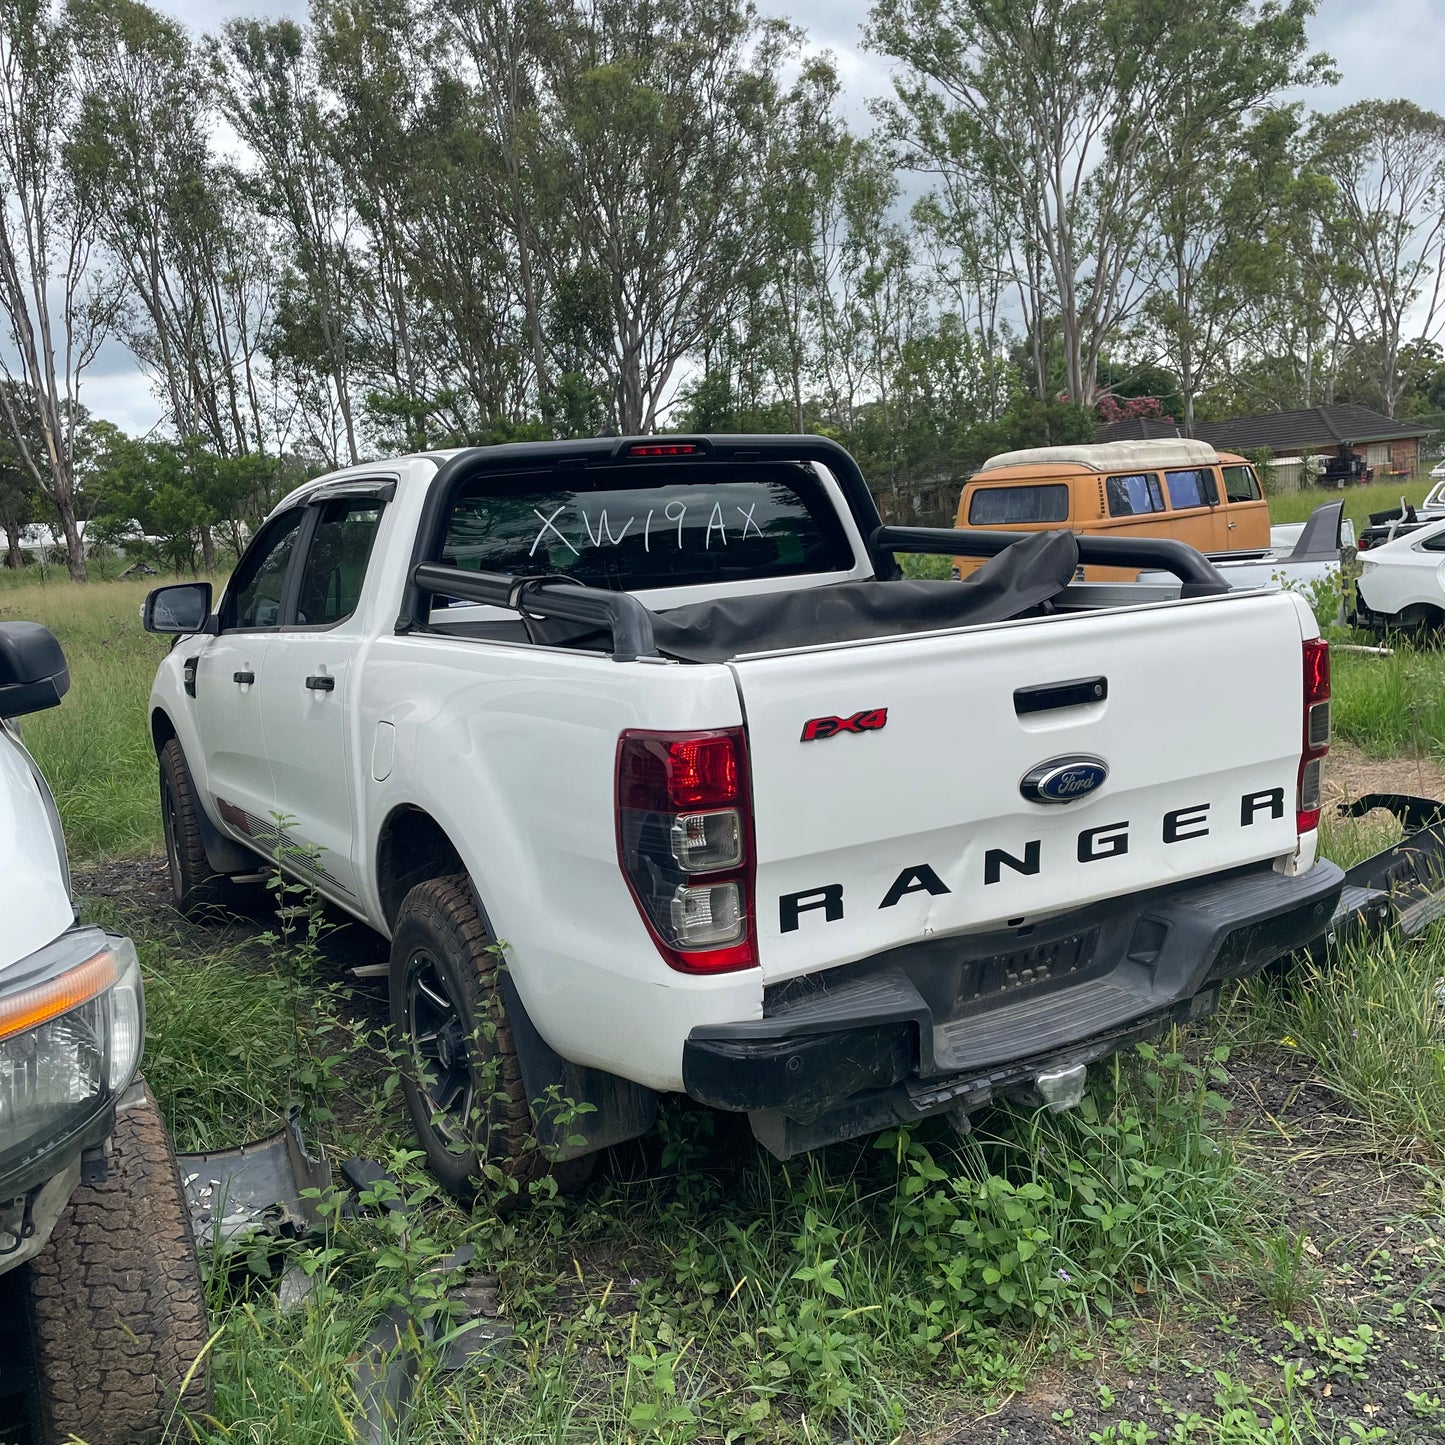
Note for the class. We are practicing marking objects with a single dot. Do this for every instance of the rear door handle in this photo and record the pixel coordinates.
(321, 683)
(244, 678)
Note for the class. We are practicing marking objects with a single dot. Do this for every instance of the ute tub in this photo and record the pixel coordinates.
(950, 1022)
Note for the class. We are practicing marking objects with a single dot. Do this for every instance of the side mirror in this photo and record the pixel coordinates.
(181, 609)
(33, 673)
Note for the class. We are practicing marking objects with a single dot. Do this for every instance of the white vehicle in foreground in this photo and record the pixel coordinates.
(113, 1322)
(755, 819)
(1402, 583)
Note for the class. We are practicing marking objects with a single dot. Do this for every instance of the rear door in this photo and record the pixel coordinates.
(915, 822)
(1195, 514)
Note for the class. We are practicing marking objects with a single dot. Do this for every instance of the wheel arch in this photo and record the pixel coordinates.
(1420, 617)
(162, 728)
(412, 847)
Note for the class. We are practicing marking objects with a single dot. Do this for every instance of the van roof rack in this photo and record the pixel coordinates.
(1112, 456)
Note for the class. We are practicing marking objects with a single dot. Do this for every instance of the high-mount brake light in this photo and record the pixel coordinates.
(1316, 739)
(663, 449)
(685, 844)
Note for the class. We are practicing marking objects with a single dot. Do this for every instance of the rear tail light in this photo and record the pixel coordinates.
(1316, 740)
(685, 844)
(663, 449)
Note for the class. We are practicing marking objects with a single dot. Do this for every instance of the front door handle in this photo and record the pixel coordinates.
(321, 683)
(244, 678)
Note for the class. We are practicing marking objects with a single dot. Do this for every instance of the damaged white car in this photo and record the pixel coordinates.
(109, 1324)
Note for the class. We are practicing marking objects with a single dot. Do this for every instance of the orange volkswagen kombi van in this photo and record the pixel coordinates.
(1171, 488)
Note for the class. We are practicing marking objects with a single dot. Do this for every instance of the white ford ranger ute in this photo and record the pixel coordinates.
(750, 816)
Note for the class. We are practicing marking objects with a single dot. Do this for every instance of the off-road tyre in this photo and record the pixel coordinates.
(439, 924)
(196, 889)
(117, 1310)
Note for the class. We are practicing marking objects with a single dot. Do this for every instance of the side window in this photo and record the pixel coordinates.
(335, 563)
(1434, 544)
(1134, 495)
(1007, 506)
(258, 587)
(1241, 485)
(1194, 488)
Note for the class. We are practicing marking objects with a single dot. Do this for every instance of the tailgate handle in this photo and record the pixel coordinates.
(1050, 695)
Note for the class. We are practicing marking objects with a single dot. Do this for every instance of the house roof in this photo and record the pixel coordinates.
(1313, 427)
(1136, 429)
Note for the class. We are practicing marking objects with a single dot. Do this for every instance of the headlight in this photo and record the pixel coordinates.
(1367, 567)
(72, 1022)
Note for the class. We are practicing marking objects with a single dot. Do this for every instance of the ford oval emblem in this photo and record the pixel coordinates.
(1064, 780)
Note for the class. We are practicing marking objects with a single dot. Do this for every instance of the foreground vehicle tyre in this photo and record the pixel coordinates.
(462, 1081)
(194, 886)
(117, 1311)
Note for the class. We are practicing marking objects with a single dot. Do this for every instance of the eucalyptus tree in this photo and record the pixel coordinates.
(1385, 162)
(174, 222)
(375, 60)
(56, 302)
(652, 120)
(20, 499)
(269, 89)
(1049, 104)
(1209, 149)
(505, 44)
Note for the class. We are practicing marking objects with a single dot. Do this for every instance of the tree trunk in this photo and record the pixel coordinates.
(208, 549)
(74, 546)
(14, 557)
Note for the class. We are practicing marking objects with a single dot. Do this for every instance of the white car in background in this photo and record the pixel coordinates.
(1402, 583)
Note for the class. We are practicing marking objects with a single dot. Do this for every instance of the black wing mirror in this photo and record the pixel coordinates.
(33, 673)
(181, 609)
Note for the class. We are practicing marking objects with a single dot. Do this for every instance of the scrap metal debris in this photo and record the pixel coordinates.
(385, 1369)
(236, 1194)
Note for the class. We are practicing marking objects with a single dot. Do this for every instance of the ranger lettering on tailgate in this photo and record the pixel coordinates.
(1105, 840)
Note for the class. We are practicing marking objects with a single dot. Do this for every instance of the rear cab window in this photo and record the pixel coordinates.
(336, 561)
(649, 527)
(1012, 506)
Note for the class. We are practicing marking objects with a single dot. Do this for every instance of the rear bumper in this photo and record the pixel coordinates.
(950, 1023)
(1366, 618)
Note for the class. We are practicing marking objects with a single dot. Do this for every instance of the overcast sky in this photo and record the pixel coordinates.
(1380, 47)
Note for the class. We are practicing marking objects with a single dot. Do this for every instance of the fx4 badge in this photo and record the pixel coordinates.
(870, 720)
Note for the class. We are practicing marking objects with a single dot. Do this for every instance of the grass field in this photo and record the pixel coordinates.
(1193, 1256)
(1359, 501)
(95, 748)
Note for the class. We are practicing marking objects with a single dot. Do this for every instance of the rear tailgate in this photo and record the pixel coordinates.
(874, 837)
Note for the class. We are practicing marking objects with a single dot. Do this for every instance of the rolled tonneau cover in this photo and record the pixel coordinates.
(1013, 584)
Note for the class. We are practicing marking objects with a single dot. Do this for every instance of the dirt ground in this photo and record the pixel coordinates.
(1349, 774)
(1372, 1239)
